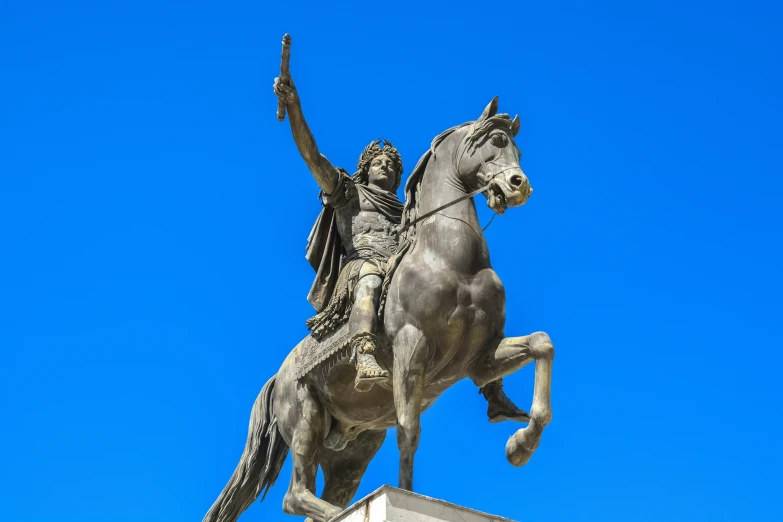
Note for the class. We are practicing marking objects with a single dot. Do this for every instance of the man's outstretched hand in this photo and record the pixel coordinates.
(286, 91)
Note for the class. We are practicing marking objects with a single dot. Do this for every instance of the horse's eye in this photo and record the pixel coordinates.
(498, 140)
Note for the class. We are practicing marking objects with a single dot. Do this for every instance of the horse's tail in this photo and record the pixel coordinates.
(264, 455)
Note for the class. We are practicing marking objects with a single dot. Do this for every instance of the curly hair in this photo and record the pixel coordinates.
(372, 151)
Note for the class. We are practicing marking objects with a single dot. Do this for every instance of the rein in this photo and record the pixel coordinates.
(447, 205)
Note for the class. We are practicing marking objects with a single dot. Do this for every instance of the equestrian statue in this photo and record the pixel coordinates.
(406, 303)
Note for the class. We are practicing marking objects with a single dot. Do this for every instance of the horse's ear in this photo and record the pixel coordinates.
(491, 109)
(515, 125)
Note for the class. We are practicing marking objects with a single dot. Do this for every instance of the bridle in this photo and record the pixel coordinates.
(462, 148)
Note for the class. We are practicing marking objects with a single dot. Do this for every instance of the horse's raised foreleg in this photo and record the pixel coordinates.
(309, 431)
(410, 360)
(507, 356)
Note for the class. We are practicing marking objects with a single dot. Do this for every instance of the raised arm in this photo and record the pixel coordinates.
(324, 172)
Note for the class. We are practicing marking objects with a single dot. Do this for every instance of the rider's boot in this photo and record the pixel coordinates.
(500, 406)
(368, 371)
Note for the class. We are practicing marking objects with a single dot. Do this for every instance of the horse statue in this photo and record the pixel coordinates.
(444, 319)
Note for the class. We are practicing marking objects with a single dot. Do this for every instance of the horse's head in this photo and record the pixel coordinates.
(489, 157)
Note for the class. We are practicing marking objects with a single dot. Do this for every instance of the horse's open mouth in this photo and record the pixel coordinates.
(496, 199)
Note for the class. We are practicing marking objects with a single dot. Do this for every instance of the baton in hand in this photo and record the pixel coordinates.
(285, 73)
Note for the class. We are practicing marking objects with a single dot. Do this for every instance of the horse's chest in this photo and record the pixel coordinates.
(457, 305)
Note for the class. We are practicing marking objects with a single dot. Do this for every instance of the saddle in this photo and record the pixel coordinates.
(323, 354)
(333, 347)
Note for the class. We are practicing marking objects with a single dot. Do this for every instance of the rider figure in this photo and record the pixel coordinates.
(365, 212)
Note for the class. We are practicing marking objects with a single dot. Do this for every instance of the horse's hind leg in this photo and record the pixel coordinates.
(410, 361)
(343, 470)
(305, 450)
(507, 356)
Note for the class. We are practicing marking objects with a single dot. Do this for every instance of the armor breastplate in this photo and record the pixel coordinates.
(373, 231)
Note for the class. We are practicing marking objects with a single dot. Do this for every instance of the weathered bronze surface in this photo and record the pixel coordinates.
(407, 305)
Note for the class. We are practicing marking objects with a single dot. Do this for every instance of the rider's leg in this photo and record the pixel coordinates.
(363, 326)
(364, 316)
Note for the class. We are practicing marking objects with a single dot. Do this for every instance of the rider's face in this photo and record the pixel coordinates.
(382, 172)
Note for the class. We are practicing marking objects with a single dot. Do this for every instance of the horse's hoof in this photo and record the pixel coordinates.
(333, 513)
(522, 444)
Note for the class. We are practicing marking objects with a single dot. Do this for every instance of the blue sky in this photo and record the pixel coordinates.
(154, 214)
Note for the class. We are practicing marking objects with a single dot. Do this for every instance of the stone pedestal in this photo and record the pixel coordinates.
(388, 504)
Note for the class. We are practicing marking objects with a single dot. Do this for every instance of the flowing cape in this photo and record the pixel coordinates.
(325, 250)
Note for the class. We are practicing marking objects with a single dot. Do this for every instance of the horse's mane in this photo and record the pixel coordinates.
(412, 186)
(480, 129)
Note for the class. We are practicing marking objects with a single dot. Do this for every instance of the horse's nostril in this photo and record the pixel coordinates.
(516, 180)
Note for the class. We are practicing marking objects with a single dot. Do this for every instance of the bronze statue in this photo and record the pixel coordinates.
(407, 305)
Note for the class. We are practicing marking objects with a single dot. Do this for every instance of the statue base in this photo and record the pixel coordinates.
(387, 504)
